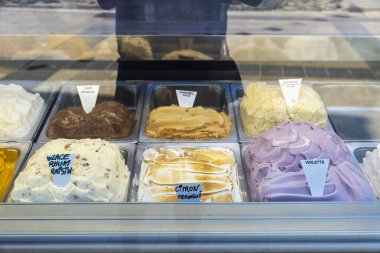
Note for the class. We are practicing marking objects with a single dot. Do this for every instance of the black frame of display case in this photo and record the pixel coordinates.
(178, 70)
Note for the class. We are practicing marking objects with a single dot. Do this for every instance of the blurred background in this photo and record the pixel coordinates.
(64, 40)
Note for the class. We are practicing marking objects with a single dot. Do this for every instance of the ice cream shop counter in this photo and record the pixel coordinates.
(177, 126)
(248, 227)
(284, 165)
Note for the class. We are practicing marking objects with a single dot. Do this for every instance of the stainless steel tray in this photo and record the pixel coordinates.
(237, 91)
(127, 150)
(354, 109)
(210, 95)
(351, 146)
(47, 91)
(131, 96)
(251, 191)
(359, 150)
(234, 147)
(24, 148)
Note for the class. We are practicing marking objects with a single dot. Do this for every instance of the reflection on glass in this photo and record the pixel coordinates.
(179, 24)
(322, 39)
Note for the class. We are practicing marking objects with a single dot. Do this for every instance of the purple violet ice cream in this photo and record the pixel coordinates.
(275, 172)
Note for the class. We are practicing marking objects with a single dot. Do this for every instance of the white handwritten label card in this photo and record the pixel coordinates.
(315, 172)
(61, 166)
(186, 98)
(290, 90)
(88, 95)
(189, 193)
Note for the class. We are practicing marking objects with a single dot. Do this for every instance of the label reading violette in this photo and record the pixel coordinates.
(189, 193)
(315, 172)
(88, 95)
(61, 166)
(186, 98)
(290, 89)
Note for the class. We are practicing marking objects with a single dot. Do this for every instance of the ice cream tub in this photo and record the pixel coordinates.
(117, 111)
(30, 108)
(19, 151)
(362, 151)
(83, 183)
(354, 109)
(145, 189)
(212, 113)
(345, 180)
(237, 91)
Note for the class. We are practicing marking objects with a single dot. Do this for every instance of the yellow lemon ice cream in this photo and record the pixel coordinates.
(263, 107)
(8, 159)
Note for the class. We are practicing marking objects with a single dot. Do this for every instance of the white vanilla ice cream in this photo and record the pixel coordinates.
(99, 174)
(19, 111)
(371, 167)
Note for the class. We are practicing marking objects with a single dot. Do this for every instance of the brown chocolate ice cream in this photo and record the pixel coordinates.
(107, 120)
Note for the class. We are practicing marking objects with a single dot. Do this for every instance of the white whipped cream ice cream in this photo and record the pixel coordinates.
(164, 168)
(99, 174)
(371, 167)
(19, 111)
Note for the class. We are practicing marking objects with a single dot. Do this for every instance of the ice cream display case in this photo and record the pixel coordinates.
(112, 199)
(200, 126)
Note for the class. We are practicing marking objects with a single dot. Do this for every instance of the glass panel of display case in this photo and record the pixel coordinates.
(231, 53)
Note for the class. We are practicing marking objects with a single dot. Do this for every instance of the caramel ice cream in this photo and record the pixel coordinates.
(174, 122)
